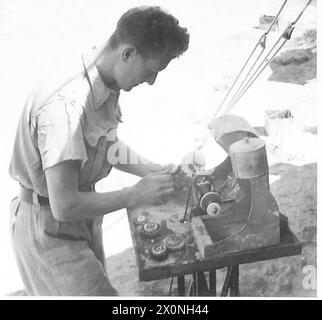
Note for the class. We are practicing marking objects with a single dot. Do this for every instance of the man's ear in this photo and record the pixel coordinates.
(128, 52)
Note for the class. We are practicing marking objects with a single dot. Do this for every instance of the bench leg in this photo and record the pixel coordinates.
(198, 286)
(181, 286)
(202, 285)
(234, 289)
(212, 282)
(226, 286)
(231, 283)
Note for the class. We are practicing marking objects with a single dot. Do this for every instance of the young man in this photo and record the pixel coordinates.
(62, 148)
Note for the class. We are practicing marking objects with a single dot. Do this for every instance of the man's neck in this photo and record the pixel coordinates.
(104, 59)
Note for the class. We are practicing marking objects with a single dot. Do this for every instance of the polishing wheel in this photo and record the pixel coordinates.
(213, 209)
(159, 251)
(210, 203)
(141, 220)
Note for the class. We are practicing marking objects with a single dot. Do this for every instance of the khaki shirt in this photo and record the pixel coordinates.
(77, 121)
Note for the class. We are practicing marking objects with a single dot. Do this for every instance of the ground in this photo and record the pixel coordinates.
(175, 112)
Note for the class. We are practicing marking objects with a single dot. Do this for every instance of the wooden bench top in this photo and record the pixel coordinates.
(187, 261)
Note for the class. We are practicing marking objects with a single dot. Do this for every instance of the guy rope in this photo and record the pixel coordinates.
(251, 77)
(235, 93)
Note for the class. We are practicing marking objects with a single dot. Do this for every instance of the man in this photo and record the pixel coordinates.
(62, 148)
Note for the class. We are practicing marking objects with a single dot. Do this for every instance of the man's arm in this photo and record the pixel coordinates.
(67, 203)
(137, 164)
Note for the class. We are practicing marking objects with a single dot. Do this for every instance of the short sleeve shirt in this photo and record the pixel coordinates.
(78, 120)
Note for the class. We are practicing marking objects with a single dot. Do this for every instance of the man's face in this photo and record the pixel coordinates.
(136, 69)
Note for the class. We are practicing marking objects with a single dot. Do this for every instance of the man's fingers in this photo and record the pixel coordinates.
(162, 177)
(169, 167)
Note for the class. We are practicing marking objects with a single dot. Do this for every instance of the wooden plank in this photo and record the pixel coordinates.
(203, 240)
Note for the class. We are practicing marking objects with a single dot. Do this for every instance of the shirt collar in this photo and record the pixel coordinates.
(100, 92)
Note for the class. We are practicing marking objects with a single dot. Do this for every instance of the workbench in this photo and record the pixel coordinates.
(188, 261)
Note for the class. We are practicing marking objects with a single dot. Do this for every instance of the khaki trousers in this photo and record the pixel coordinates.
(58, 258)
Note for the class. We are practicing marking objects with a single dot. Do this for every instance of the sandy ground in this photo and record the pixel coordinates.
(175, 112)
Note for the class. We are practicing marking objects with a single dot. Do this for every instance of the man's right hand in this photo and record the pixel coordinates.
(153, 188)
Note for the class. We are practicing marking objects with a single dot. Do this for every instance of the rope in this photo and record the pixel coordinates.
(236, 79)
(255, 78)
(257, 72)
(244, 87)
(250, 70)
(261, 40)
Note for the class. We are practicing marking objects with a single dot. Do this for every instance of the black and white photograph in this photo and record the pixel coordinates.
(158, 149)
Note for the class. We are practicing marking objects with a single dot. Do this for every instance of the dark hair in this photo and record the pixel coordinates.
(152, 31)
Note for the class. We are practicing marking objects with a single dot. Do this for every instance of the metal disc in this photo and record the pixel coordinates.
(174, 242)
(208, 198)
(159, 251)
(151, 229)
(141, 219)
(213, 209)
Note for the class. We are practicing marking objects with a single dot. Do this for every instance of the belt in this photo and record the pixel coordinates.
(30, 196)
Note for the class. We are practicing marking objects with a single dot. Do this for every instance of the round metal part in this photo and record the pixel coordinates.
(159, 251)
(213, 209)
(208, 198)
(151, 229)
(174, 242)
(141, 219)
(248, 157)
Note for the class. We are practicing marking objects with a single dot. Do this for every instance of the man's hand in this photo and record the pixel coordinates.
(153, 188)
(168, 167)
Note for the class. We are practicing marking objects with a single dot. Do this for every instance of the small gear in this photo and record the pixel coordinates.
(151, 229)
(159, 251)
(174, 242)
(140, 220)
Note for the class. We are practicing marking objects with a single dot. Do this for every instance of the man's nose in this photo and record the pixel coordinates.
(151, 80)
